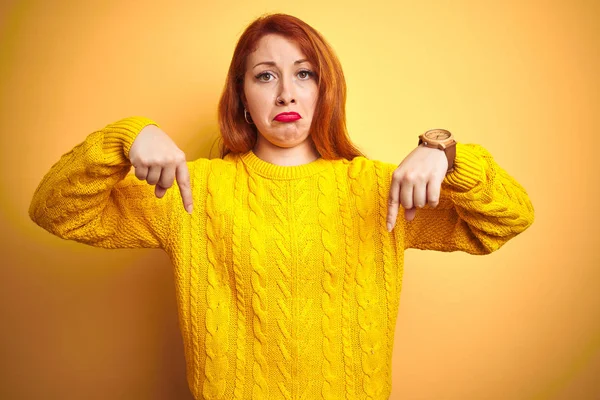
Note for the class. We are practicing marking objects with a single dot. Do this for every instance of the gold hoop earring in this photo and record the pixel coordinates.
(246, 116)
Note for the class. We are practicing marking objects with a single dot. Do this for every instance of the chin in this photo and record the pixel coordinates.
(288, 138)
(282, 141)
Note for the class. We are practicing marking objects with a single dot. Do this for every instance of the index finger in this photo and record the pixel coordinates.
(393, 203)
(183, 182)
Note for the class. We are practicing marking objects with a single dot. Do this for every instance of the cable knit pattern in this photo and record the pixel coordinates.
(389, 271)
(306, 330)
(197, 356)
(366, 292)
(218, 292)
(350, 267)
(331, 282)
(285, 301)
(260, 371)
(287, 281)
(237, 249)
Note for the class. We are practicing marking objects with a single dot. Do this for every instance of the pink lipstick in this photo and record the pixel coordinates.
(287, 117)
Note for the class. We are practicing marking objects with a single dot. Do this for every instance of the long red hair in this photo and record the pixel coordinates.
(328, 128)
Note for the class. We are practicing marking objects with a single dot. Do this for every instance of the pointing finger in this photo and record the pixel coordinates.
(183, 181)
(393, 203)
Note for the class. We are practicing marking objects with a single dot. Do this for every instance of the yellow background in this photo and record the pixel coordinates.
(519, 79)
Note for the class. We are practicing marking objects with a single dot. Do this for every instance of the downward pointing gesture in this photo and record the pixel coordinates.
(158, 160)
(417, 181)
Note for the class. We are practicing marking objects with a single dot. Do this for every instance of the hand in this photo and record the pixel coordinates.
(417, 180)
(158, 160)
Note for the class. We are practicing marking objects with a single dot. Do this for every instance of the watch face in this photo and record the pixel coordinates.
(437, 134)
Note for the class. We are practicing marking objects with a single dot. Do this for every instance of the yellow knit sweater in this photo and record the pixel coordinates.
(287, 281)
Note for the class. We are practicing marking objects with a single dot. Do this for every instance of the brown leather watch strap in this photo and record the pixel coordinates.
(451, 155)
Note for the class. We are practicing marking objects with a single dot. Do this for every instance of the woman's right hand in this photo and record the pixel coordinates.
(158, 160)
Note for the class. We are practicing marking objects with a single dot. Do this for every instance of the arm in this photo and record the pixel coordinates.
(88, 196)
(480, 208)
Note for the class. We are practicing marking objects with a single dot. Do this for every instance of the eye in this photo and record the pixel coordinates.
(260, 76)
(307, 74)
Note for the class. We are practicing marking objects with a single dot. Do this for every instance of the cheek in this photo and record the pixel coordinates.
(261, 111)
(257, 103)
(311, 99)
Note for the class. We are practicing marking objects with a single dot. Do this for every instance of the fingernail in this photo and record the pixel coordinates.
(389, 227)
(190, 209)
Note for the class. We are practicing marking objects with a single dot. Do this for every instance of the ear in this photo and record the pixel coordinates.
(244, 101)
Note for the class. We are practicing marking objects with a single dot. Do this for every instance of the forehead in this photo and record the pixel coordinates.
(273, 47)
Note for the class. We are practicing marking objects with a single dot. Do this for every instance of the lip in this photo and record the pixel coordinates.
(287, 117)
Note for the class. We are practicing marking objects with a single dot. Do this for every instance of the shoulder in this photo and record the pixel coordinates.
(362, 166)
(204, 166)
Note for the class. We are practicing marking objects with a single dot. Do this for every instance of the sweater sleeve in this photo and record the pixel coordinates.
(480, 208)
(88, 195)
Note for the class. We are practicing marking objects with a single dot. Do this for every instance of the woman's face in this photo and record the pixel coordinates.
(279, 79)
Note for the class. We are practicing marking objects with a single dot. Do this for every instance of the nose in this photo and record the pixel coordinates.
(285, 95)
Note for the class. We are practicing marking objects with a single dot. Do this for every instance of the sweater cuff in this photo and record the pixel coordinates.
(119, 136)
(469, 168)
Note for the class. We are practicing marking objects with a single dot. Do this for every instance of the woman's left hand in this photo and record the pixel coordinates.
(416, 181)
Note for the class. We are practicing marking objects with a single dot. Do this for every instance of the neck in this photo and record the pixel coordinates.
(301, 154)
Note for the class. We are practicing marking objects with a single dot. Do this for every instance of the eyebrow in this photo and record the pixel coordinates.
(273, 62)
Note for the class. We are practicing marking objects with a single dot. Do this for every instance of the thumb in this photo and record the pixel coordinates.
(410, 213)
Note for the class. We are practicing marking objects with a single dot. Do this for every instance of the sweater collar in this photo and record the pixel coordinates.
(274, 171)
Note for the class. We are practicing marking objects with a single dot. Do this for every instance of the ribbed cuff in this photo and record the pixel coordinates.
(119, 136)
(469, 168)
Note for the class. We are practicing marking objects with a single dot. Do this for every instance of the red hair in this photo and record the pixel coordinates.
(328, 128)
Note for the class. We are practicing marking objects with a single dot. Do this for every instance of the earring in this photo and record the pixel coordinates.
(246, 116)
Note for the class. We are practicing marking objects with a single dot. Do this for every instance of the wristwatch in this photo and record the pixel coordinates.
(443, 140)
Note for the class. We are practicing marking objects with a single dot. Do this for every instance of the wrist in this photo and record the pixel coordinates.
(443, 140)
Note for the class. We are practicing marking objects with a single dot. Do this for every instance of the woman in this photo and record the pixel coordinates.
(289, 259)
